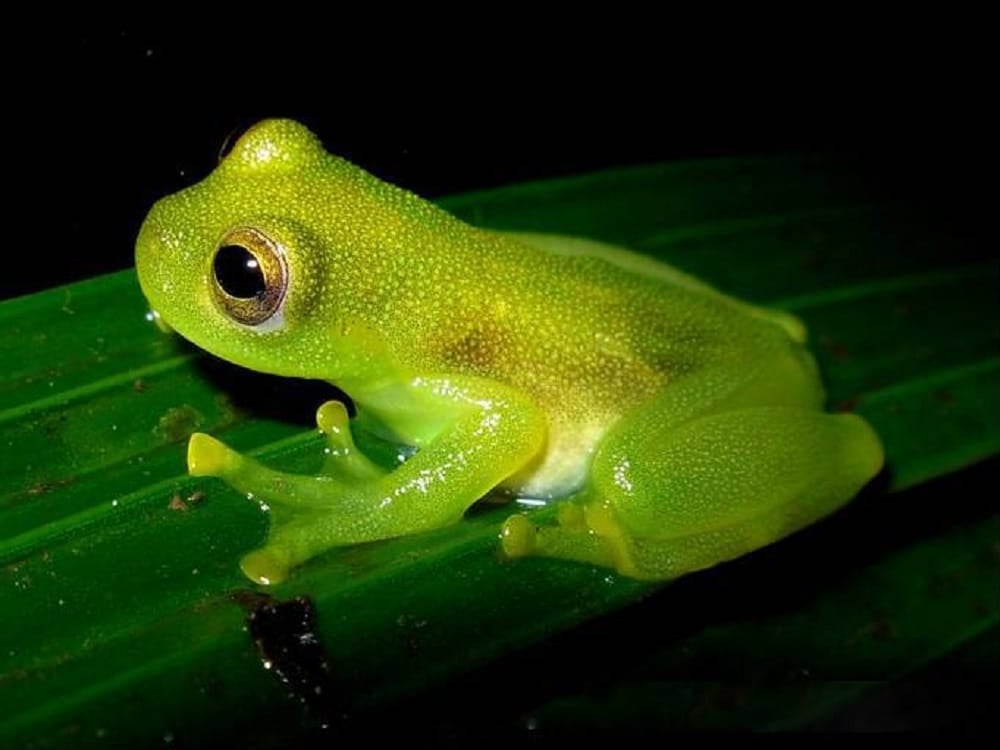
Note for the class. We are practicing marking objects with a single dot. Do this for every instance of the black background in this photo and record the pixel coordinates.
(101, 119)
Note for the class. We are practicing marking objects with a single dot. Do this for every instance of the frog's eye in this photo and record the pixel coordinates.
(249, 276)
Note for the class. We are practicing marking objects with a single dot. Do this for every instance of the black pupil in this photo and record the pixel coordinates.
(238, 272)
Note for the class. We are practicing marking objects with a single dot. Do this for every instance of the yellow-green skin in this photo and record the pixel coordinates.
(683, 427)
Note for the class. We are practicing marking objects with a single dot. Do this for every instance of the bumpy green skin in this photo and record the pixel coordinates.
(683, 427)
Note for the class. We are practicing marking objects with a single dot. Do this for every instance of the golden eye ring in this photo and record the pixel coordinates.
(249, 276)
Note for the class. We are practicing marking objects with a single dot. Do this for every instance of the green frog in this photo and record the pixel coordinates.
(675, 426)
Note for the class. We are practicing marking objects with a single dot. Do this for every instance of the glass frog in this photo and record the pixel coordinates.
(676, 426)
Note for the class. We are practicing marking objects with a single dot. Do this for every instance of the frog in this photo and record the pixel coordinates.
(672, 426)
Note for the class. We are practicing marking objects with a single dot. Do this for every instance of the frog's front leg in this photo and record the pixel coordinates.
(483, 432)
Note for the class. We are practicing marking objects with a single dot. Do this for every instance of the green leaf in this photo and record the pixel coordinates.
(126, 618)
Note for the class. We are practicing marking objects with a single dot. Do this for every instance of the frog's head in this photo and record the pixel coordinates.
(261, 262)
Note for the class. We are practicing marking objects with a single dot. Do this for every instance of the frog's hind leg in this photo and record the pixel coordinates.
(671, 492)
(571, 539)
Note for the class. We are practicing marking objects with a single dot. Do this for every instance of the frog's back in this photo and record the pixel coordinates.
(598, 329)
(637, 264)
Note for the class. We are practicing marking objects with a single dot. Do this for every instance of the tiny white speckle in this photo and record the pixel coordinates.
(194, 571)
(265, 507)
(12, 652)
(62, 602)
(621, 475)
(114, 503)
(51, 384)
(264, 152)
(267, 664)
(149, 53)
(114, 428)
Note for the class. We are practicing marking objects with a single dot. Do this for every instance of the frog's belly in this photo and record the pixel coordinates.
(563, 468)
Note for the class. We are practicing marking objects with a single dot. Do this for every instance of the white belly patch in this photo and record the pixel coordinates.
(564, 468)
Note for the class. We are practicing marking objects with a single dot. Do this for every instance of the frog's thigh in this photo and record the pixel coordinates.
(717, 487)
(667, 500)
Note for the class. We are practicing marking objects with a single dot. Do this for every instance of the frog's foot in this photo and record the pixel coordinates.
(574, 537)
(519, 536)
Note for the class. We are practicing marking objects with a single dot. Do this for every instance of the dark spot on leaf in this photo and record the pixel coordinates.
(229, 413)
(944, 396)
(43, 487)
(289, 647)
(177, 504)
(139, 386)
(178, 424)
(52, 425)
